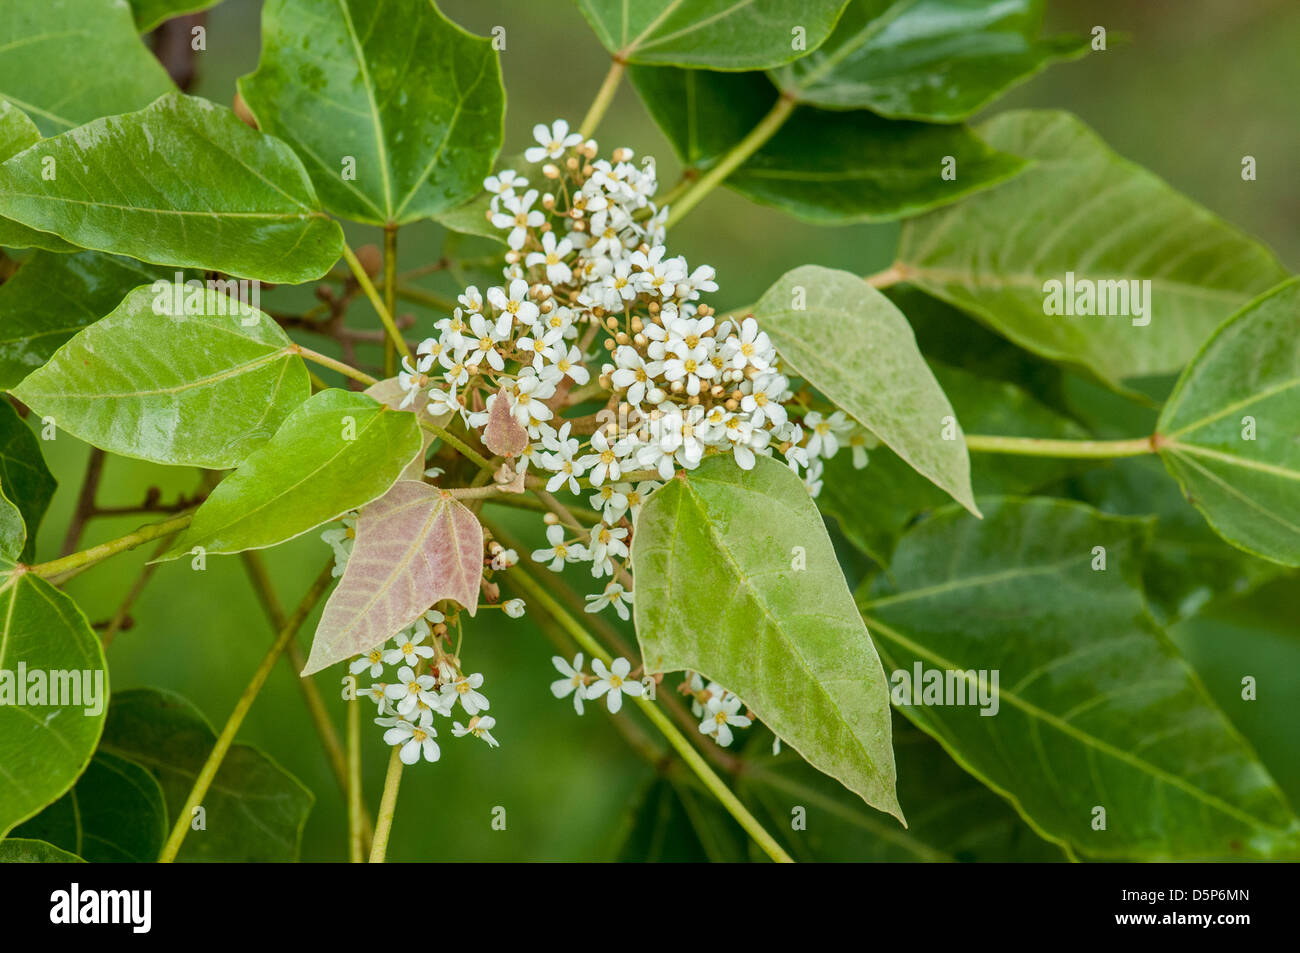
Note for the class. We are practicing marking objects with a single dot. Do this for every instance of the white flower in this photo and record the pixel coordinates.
(377, 693)
(859, 440)
(605, 461)
(514, 608)
(518, 216)
(824, 432)
(412, 689)
(479, 727)
(752, 348)
(607, 544)
(614, 595)
(415, 741)
(559, 552)
(573, 681)
(551, 142)
(633, 374)
(570, 365)
(566, 468)
(552, 256)
(764, 402)
(503, 183)
(373, 660)
(614, 681)
(530, 392)
(514, 303)
(341, 541)
(409, 651)
(465, 689)
(720, 714)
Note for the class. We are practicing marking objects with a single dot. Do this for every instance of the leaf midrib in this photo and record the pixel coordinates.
(1089, 741)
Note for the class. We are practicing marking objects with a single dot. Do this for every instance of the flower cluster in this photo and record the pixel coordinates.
(586, 270)
(614, 374)
(429, 682)
(719, 710)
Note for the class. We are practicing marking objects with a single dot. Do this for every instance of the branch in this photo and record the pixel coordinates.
(765, 130)
(85, 501)
(208, 773)
(381, 309)
(604, 96)
(66, 567)
(316, 708)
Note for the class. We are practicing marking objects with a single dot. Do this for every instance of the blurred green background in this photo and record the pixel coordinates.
(1192, 87)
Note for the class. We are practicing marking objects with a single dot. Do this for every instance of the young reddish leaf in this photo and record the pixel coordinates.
(503, 435)
(415, 545)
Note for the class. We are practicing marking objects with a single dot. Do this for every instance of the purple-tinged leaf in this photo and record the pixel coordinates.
(503, 434)
(416, 545)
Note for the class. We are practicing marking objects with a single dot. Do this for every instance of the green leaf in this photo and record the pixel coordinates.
(114, 814)
(827, 168)
(1095, 708)
(415, 546)
(182, 182)
(176, 375)
(67, 62)
(675, 822)
(254, 810)
(1186, 563)
(850, 342)
(717, 594)
(13, 533)
(26, 480)
(1230, 432)
(393, 89)
(1253, 637)
(1081, 209)
(335, 453)
(16, 850)
(953, 816)
(18, 132)
(149, 14)
(53, 297)
(873, 506)
(713, 34)
(48, 653)
(933, 60)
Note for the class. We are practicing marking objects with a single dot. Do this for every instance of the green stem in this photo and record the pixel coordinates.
(741, 151)
(208, 773)
(66, 566)
(347, 370)
(311, 696)
(693, 758)
(1071, 449)
(355, 813)
(461, 446)
(390, 293)
(367, 286)
(387, 807)
(604, 96)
